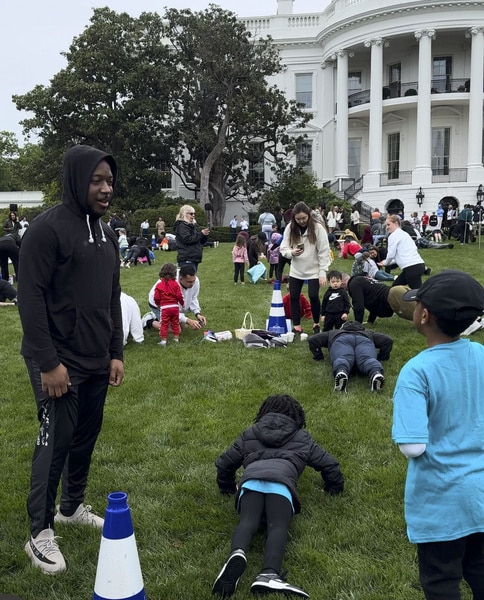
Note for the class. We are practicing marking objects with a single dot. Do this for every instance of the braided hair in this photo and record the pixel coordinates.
(284, 404)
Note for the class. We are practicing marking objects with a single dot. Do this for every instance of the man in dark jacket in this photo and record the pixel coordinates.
(379, 299)
(69, 304)
(353, 346)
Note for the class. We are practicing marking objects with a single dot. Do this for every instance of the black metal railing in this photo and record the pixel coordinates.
(404, 178)
(400, 89)
(445, 175)
(353, 189)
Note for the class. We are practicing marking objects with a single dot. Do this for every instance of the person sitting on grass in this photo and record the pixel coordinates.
(365, 263)
(438, 424)
(303, 304)
(351, 347)
(8, 294)
(190, 286)
(274, 452)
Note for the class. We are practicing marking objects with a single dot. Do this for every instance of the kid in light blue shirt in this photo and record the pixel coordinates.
(438, 422)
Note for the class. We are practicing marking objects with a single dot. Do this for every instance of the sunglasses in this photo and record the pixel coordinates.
(192, 214)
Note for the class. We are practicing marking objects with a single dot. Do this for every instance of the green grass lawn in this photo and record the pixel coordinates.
(177, 409)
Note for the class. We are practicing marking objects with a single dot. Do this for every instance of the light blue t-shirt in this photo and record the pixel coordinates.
(439, 401)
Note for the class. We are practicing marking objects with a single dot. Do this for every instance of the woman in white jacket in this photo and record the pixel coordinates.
(306, 244)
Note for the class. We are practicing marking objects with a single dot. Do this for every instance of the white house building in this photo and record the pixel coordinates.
(395, 90)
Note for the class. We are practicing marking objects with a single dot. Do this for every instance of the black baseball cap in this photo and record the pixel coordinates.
(450, 294)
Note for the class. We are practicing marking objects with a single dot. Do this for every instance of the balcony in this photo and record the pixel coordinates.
(438, 176)
(400, 89)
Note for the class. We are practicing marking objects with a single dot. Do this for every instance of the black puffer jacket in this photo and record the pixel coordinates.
(189, 242)
(274, 449)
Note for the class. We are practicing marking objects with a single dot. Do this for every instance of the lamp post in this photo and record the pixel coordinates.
(480, 196)
(420, 196)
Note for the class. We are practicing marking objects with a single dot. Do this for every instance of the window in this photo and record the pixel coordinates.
(394, 79)
(441, 74)
(304, 157)
(165, 173)
(354, 82)
(304, 89)
(440, 150)
(354, 158)
(393, 160)
(256, 164)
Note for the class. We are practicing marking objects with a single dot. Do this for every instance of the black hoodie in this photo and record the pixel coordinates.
(68, 293)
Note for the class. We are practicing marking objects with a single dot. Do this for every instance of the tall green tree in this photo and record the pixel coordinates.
(9, 150)
(222, 104)
(112, 94)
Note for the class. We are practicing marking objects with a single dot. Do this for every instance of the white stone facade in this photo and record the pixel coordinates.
(395, 90)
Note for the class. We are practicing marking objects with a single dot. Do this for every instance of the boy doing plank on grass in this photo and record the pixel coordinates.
(438, 423)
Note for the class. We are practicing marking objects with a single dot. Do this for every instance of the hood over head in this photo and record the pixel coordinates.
(79, 164)
(275, 429)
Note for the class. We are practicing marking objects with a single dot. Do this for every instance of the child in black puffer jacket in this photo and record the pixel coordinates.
(274, 452)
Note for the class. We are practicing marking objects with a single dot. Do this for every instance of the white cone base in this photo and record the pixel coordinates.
(118, 575)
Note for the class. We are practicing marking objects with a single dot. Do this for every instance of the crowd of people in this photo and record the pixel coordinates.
(76, 321)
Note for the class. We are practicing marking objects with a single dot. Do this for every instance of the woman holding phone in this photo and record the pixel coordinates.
(189, 239)
(306, 244)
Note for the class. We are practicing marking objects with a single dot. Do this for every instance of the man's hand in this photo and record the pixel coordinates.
(56, 382)
(116, 372)
(193, 324)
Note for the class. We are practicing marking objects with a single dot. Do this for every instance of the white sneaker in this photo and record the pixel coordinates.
(82, 516)
(377, 382)
(147, 320)
(340, 382)
(44, 552)
(272, 582)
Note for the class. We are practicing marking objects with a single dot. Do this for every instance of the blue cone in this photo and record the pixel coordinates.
(277, 319)
(118, 575)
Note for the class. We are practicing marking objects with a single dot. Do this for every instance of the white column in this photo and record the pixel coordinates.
(341, 150)
(327, 101)
(475, 171)
(372, 178)
(422, 173)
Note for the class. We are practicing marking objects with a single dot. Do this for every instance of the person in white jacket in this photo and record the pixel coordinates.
(131, 319)
(306, 244)
(403, 251)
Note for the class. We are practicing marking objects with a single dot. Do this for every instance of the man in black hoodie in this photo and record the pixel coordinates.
(69, 304)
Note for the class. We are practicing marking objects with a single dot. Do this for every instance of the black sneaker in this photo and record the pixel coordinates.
(427, 271)
(228, 578)
(272, 582)
(377, 382)
(340, 382)
(316, 329)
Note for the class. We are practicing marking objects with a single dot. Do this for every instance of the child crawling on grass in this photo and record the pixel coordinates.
(274, 452)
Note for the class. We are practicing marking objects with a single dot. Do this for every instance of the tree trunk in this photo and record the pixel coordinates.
(211, 160)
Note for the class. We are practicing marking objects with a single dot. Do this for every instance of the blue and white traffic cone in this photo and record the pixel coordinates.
(118, 575)
(277, 319)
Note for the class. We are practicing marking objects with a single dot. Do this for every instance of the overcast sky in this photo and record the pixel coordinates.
(35, 32)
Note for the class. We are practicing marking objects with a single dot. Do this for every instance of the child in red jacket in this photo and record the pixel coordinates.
(169, 297)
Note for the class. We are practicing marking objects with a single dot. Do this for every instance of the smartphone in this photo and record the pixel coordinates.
(300, 246)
